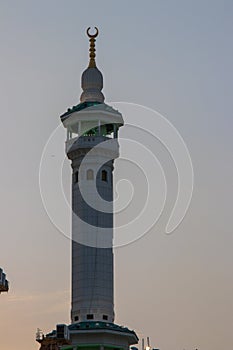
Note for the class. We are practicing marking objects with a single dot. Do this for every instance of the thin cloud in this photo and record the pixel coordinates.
(25, 297)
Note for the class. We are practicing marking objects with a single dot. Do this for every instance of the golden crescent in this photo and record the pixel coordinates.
(92, 35)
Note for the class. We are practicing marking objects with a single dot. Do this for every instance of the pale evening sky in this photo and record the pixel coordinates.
(172, 56)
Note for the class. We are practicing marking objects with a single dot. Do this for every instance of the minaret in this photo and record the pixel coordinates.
(89, 125)
(92, 146)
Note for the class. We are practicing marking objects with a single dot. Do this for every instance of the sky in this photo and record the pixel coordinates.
(172, 56)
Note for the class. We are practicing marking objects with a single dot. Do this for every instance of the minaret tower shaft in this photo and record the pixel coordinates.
(89, 125)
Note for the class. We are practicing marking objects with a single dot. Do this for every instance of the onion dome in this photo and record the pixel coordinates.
(92, 78)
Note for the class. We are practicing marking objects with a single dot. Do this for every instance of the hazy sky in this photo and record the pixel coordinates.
(172, 56)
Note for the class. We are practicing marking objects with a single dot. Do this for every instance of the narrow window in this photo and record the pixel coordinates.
(104, 176)
(76, 318)
(76, 177)
(90, 174)
(90, 317)
(105, 317)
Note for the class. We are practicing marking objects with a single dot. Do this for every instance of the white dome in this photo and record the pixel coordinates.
(92, 84)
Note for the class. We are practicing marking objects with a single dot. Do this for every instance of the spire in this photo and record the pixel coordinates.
(92, 47)
(92, 79)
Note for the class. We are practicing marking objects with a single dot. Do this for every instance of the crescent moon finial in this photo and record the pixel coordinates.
(92, 35)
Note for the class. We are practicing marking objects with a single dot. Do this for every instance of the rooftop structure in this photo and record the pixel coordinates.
(4, 284)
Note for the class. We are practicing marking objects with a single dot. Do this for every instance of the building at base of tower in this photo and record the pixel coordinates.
(88, 336)
(91, 146)
(4, 284)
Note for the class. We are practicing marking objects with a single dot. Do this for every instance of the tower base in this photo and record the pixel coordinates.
(91, 336)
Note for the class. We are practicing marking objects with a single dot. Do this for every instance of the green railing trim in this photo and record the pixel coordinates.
(71, 347)
(79, 107)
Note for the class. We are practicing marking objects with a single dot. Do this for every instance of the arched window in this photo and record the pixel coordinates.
(104, 176)
(90, 174)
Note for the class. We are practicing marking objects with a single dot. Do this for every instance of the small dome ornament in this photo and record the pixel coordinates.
(92, 79)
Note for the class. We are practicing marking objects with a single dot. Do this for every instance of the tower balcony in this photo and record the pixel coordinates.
(88, 141)
(104, 145)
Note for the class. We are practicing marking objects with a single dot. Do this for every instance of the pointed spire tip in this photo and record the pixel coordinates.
(92, 37)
